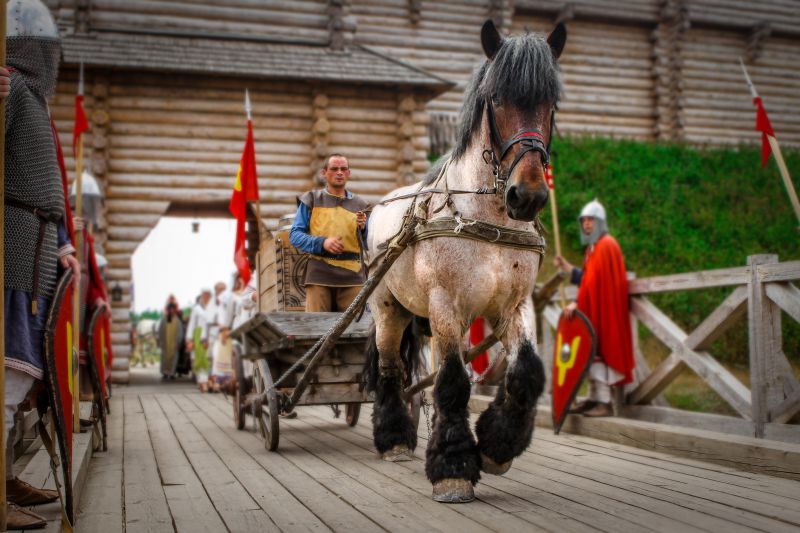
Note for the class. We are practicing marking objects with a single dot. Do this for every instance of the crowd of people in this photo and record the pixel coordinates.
(199, 342)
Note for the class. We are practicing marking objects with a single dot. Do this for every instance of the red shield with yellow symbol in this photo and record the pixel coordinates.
(60, 357)
(98, 337)
(96, 366)
(574, 350)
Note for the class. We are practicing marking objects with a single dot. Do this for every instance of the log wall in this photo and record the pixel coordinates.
(716, 105)
(441, 36)
(609, 88)
(288, 19)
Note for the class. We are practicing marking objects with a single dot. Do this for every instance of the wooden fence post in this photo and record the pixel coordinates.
(764, 332)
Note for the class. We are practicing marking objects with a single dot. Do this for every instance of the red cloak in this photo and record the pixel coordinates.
(603, 298)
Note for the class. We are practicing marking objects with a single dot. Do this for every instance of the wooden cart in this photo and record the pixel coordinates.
(269, 346)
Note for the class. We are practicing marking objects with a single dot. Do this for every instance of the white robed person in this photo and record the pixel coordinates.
(197, 339)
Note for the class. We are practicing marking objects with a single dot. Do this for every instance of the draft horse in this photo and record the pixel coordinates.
(490, 188)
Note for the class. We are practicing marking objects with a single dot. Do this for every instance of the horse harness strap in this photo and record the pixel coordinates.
(457, 226)
(479, 231)
(531, 140)
(45, 217)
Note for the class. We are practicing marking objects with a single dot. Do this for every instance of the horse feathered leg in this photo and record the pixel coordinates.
(393, 431)
(505, 428)
(452, 461)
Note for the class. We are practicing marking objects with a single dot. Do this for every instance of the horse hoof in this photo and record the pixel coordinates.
(453, 490)
(490, 467)
(398, 453)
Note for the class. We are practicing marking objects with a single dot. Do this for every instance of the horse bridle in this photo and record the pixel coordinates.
(531, 140)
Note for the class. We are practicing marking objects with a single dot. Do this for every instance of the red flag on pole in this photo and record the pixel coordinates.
(81, 123)
(549, 178)
(245, 189)
(765, 127)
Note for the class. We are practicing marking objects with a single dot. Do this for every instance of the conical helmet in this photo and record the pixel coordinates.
(593, 209)
(30, 18)
(33, 46)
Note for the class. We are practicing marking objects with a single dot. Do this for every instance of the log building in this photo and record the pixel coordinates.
(381, 81)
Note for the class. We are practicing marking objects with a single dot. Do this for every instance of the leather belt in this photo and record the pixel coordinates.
(45, 216)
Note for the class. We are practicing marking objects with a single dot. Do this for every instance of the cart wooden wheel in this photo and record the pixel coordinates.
(240, 391)
(268, 417)
(352, 411)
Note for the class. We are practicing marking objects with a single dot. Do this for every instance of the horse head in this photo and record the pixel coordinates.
(519, 90)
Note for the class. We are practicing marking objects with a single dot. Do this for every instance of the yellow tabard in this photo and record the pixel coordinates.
(337, 222)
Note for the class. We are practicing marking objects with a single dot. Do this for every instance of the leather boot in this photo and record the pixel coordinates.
(25, 494)
(600, 410)
(20, 518)
(582, 407)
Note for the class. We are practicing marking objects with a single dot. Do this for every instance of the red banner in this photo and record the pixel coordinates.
(765, 127)
(245, 189)
(81, 124)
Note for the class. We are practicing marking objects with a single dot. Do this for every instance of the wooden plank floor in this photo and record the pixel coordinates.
(176, 463)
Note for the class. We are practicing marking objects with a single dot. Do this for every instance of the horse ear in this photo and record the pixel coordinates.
(490, 39)
(557, 39)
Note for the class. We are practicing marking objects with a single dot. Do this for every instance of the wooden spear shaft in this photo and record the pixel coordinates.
(76, 295)
(3, 465)
(787, 179)
(554, 210)
(776, 149)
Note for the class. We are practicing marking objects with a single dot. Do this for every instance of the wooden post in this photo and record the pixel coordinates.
(764, 331)
(3, 436)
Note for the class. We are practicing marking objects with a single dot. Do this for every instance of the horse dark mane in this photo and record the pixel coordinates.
(523, 73)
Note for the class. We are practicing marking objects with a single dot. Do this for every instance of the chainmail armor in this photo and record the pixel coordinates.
(36, 60)
(33, 177)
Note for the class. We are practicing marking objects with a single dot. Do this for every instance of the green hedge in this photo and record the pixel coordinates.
(675, 208)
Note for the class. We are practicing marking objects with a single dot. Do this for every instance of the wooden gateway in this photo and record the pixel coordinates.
(270, 348)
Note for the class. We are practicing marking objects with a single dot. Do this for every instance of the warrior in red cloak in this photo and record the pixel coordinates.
(603, 298)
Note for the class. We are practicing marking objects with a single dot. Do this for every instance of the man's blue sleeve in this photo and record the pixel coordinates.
(299, 236)
(576, 276)
(62, 234)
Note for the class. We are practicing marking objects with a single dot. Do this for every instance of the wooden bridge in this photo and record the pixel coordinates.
(176, 462)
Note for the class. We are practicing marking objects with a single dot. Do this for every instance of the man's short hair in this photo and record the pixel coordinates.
(328, 159)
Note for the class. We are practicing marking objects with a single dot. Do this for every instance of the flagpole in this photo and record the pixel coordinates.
(776, 149)
(248, 107)
(76, 295)
(3, 465)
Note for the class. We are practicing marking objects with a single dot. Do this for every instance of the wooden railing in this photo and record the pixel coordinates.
(760, 291)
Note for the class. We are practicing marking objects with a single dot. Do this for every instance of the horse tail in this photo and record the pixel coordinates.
(410, 353)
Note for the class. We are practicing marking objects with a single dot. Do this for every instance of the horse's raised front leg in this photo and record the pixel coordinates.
(452, 461)
(392, 429)
(505, 428)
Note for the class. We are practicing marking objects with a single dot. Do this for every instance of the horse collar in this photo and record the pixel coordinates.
(531, 140)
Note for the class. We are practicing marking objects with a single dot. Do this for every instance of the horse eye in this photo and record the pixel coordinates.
(496, 101)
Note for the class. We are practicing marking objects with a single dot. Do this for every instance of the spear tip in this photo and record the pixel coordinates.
(747, 78)
(80, 81)
(248, 107)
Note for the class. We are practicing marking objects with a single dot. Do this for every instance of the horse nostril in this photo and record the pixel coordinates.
(512, 197)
